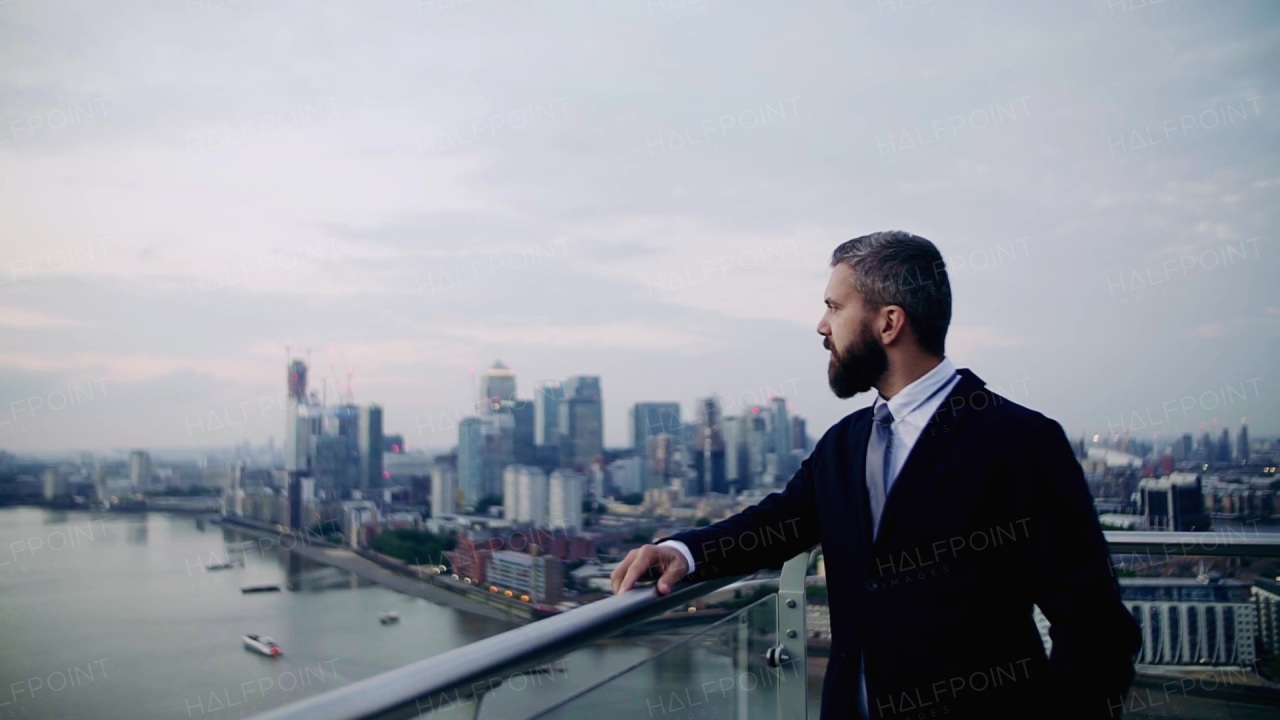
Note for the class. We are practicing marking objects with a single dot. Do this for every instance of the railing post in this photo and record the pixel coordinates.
(791, 653)
(742, 665)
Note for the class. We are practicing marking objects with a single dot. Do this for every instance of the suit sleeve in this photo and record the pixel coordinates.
(765, 535)
(1095, 639)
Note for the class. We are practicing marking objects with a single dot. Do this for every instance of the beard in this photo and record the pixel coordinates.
(858, 367)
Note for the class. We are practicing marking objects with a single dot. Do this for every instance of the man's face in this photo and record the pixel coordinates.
(858, 360)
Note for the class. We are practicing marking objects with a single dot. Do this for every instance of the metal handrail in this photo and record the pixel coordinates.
(476, 668)
(1219, 543)
(469, 671)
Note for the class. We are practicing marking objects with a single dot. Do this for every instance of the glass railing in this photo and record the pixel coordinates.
(754, 648)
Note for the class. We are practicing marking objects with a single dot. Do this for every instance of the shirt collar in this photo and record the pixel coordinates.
(910, 398)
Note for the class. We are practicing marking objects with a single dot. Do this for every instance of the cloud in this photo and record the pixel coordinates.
(190, 187)
(1209, 331)
(24, 318)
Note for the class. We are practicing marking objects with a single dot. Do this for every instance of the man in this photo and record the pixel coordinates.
(945, 512)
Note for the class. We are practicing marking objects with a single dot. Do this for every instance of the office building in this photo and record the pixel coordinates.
(581, 422)
(800, 435)
(1185, 621)
(444, 488)
(393, 444)
(1174, 503)
(471, 479)
(651, 419)
(541, 577)
(781, 425)
(496, 386)
(596, 475)
(523, 416)
(140, 469)
(356, 515)
(546, 411)
(525, 492)
(55, 484)
(662, 461)
(1242, 445)
(1266, 599)
(564, 501)
(709, 460)
(234, 502)
(755, 429)
(646, 421)
(370, 447)
(499, 449)
(625, 477)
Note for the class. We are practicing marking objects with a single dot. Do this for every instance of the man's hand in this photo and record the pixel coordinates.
(666, 560)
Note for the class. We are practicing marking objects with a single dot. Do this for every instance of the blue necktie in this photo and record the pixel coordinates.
(879, 451)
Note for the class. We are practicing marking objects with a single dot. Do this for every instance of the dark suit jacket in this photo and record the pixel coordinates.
(989, 515)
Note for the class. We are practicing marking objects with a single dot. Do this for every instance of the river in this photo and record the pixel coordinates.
(111, 615)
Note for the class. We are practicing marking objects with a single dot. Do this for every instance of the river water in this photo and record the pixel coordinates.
(115, 616)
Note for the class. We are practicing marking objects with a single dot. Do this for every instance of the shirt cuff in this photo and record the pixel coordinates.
(684, 550)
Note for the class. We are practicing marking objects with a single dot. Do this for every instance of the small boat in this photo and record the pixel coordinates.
(260, 588)
(263, 645)
(388, 617)
(223, 565)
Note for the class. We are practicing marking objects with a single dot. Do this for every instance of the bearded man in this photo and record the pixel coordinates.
(945, 513)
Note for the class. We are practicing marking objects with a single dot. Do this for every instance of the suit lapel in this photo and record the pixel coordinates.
(935, 436)
(861, 515)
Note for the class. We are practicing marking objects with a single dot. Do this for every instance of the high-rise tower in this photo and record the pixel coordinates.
(497, 385)
(371, 447)
(581, 421)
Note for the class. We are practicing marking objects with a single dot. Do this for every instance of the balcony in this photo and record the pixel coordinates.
(680, 656)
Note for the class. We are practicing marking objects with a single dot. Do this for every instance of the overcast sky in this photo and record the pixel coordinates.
(648, 191)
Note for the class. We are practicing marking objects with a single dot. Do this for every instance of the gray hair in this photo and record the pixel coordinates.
(897, 268)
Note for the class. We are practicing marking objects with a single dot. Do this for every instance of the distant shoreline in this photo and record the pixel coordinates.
(347, 559)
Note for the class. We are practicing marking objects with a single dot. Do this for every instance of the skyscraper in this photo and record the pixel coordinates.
(581, 421)
(735, 451)
(444, 487)
(547, 413)
(522, 411)
(709, 460)
(140, 469)
(564, 501)
(296, 381)
(497, 385)
(370, 447)
(1242, 444)
(299, 445)
(755, 430)
(781, 426)
(499, 449)
(1224, 446)
(471, 460)
(648, 419)
(800, 435)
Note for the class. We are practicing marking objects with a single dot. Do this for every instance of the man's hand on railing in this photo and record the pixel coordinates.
(665, 561)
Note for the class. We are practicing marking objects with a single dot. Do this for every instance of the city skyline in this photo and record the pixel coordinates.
(1108, 222)
(252, 419)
